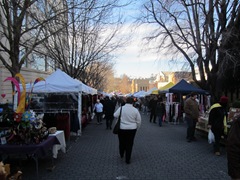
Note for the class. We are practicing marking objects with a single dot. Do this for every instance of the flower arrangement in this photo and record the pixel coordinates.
(26, 128)
(23, 126)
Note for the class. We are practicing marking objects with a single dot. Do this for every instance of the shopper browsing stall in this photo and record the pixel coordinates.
(192, 114)
(217, 122)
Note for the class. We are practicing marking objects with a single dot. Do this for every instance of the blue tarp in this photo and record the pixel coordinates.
(184, 87)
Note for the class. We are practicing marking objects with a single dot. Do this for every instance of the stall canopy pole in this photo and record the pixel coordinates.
(80, 112)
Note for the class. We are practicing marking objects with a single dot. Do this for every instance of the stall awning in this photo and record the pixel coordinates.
(167, 86)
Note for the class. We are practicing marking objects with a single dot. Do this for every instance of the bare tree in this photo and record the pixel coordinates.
(89, 42)
(23, 29)
(97, 73)
(125, 85)
(110, 82)
(194, 30)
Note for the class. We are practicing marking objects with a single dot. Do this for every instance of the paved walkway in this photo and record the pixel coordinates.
(159, 153)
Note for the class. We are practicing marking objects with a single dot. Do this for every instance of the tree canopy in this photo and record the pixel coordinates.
(76, 36)
(205, 34)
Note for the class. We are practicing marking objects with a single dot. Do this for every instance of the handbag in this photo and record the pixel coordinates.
(117, 125)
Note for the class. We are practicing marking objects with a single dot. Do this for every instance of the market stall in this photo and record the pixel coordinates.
(139, 94)
(34, 151)
(183, 87)
(22, 131)
(153, 90)
(165, 88)
(202, 124)
(62, 94)
(175, 100)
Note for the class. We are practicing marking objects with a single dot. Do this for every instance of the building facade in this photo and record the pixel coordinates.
(159, 80)
(140, 85)
(31, 51)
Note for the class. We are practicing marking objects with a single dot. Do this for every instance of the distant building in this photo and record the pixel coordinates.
(179, 75)
(140, 85)
(159, 80)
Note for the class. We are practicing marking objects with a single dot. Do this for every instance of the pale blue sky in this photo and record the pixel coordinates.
(143, 69)
(133, 60)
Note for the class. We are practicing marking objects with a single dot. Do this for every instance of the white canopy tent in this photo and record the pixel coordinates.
(60, 82)
(151, 90)
(140, 94)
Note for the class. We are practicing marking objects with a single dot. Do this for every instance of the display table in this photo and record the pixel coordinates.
(202, 124)
(62, 146)
(34, 151)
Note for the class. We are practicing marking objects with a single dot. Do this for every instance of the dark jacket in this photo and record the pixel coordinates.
(152, 105)
(216, 117)
(108, 108)
(233, 149)
(191, 109)
(160, 109)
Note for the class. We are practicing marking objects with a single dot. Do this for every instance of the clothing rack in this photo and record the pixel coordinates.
(173, 112)
(61, 121)
(53, 110)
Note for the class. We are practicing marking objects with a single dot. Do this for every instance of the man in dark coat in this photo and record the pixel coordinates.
(152, 107)
(108, 109)
(192, 114)
(160, 111)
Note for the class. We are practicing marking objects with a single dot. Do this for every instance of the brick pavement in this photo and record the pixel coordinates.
(159, 153)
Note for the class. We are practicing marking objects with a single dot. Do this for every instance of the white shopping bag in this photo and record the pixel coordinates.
(93, 115)
(211, 138)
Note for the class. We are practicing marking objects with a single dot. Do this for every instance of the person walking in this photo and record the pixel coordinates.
(108, 110)
(130, 122)
(192, 114)
(217, 116)
(160, 111)
(98, 109)
(152, 107)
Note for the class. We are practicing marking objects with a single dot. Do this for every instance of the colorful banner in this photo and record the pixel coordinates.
(16, 83)
(21, 104)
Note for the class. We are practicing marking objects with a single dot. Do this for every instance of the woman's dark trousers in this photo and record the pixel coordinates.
(126, 140)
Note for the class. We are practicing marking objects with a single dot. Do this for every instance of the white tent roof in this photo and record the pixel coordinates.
(139, 94)
(87, 89)
(59, 81)
(151, 90)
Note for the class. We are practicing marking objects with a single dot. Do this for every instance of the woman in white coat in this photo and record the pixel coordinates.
(130, 122)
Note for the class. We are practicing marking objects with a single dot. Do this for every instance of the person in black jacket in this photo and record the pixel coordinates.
(108, 110)
(160, 111)
(217, 116)
(152, 107)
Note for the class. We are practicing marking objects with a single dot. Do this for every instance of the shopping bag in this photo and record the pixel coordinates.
(211, 138)
(92, 116)
(116, 127)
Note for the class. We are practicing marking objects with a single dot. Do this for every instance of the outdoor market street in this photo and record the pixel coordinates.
(159, 153)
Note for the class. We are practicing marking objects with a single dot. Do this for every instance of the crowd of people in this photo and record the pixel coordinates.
(155, 108)
(130, 109)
